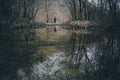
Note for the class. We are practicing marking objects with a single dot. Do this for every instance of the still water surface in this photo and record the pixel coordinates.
(62, 54)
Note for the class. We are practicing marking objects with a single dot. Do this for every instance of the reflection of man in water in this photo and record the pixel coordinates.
(47, 30)
(55, 22)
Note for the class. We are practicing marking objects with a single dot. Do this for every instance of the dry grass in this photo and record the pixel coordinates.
(83, 23)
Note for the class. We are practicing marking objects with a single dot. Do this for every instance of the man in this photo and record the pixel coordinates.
(55, 19)
(55, 22)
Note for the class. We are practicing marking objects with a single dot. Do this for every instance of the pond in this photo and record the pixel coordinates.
(62, 54)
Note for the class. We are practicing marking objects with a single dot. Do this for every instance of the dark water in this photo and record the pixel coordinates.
(84, 55)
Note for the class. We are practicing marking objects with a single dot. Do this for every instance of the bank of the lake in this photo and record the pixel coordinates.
(92, 25)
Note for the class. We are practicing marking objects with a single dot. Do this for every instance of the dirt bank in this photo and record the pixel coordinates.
(82, 23)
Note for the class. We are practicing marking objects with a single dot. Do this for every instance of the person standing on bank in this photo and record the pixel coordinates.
(55, 26)
(55, 19)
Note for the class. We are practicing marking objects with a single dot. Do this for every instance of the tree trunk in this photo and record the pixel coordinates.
(25, 8)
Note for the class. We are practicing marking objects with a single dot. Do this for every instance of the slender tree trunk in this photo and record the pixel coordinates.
(80, 10)
(25, 8)
(46, 8)
(113, 11)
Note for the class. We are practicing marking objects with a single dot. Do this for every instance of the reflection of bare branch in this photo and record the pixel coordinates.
(71, 43)
(86, 56)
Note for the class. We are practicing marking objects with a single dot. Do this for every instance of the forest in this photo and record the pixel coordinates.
(59, 39)
(97, 10)
(107, 11)
(19, 13)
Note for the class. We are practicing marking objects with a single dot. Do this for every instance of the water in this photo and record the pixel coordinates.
(62, 55)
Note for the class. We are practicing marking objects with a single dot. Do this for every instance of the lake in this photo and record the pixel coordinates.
(62, 54)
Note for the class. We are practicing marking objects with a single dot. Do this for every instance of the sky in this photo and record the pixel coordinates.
(89, 0)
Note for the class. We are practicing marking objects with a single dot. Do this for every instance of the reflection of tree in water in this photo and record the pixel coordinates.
(102, 63)
(78, 43)
(14, 57)
(90, 57)
(18, 33)
(79, 59)
(108, 58)
(15, 53)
